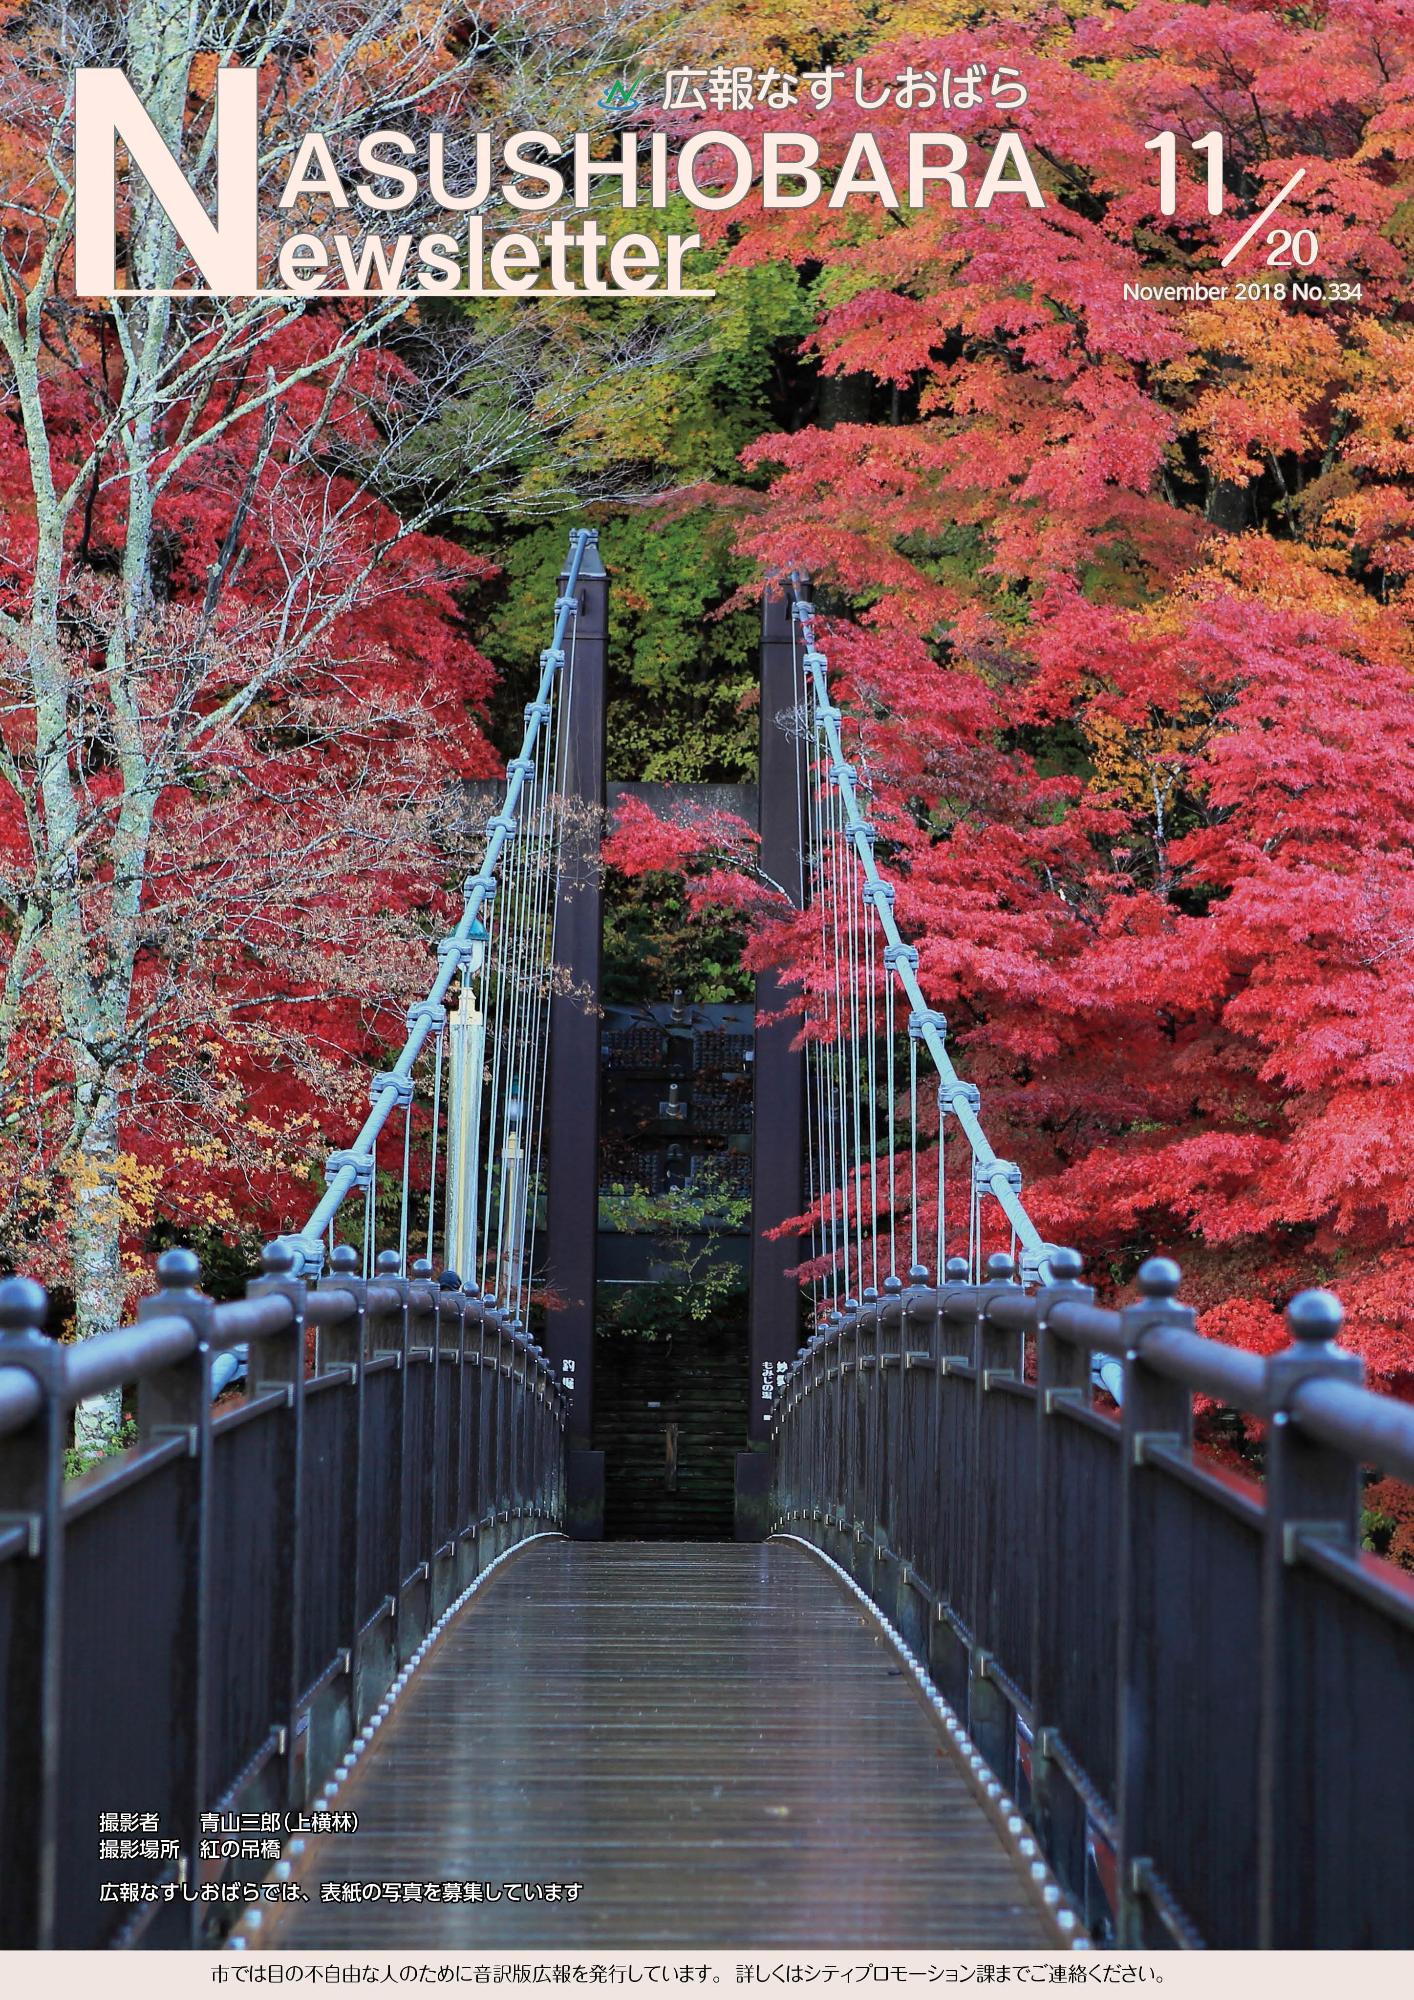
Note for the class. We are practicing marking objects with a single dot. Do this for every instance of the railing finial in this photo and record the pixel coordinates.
(1159, 1278)
(1315, 1318)
(179, 1270)
(277, 1260)
(24, 1307)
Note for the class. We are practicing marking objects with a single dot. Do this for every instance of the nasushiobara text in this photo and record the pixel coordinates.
(315, 232)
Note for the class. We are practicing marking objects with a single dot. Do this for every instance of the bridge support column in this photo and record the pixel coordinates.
(778, 1145)
(572, 1140)
(31, 1688)
(1157, 1413)
(1313, 1492)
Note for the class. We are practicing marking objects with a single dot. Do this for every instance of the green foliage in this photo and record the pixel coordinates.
(679, 697)
(78, 1460)
(652, 947)
(227, 1261)
(680, 677)
(680, 674)
(692, 1281)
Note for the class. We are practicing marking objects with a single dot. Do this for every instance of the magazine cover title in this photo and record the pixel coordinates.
(330, 217)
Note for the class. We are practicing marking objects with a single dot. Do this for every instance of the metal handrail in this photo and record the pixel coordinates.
(129, 1353)
(330, 1523)
(1375, 1429)
(1193, 1680)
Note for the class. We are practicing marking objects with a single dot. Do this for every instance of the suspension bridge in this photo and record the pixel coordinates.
(998, 1659)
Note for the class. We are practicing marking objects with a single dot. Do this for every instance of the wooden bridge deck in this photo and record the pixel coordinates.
(712, 1739)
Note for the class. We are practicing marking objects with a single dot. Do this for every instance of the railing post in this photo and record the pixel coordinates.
(460, 1509)
(483, 1498)
(384, 1340)
(424, 1337)
(889, 1472)
(529, 1478)
(800, 1476)
(1156, 1411)
(853, 1401)
(869, 1371)
(951, 1349)
(561, 1443)
(916, 1312)
(277, 1362)
(32, 1499)
(544, 1496)
(816, 1431)
(389, 1333)
(535, 1447)
(493, 1348)
(994, 1356)
(800, 1450)
(534, 1452)
(178, 1400)
(342, 1344)
(825, 1377)
(1062, 1378)
(1312, 1491)
(516, 1485)
(526, 1493)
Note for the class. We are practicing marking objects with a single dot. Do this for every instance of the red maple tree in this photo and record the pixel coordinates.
(1128, 660)
(306, 698)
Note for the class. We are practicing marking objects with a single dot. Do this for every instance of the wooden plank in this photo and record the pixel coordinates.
(709, 1737)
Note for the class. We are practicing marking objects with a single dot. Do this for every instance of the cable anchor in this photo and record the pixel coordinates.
(462, 949)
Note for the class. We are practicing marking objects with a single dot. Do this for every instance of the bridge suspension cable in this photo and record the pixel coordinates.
(489, 1052)
(868, 1205)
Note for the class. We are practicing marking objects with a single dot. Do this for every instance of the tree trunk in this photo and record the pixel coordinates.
(97, 1264)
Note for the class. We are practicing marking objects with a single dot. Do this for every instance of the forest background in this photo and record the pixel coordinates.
(1121, 603)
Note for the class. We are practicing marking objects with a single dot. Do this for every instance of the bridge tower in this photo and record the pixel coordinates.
(778, 1145)
(573, 1109)
(575, 1064)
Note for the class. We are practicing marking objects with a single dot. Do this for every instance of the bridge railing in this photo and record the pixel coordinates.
(1195, 1686)
(194, 1632)
(863, 971)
